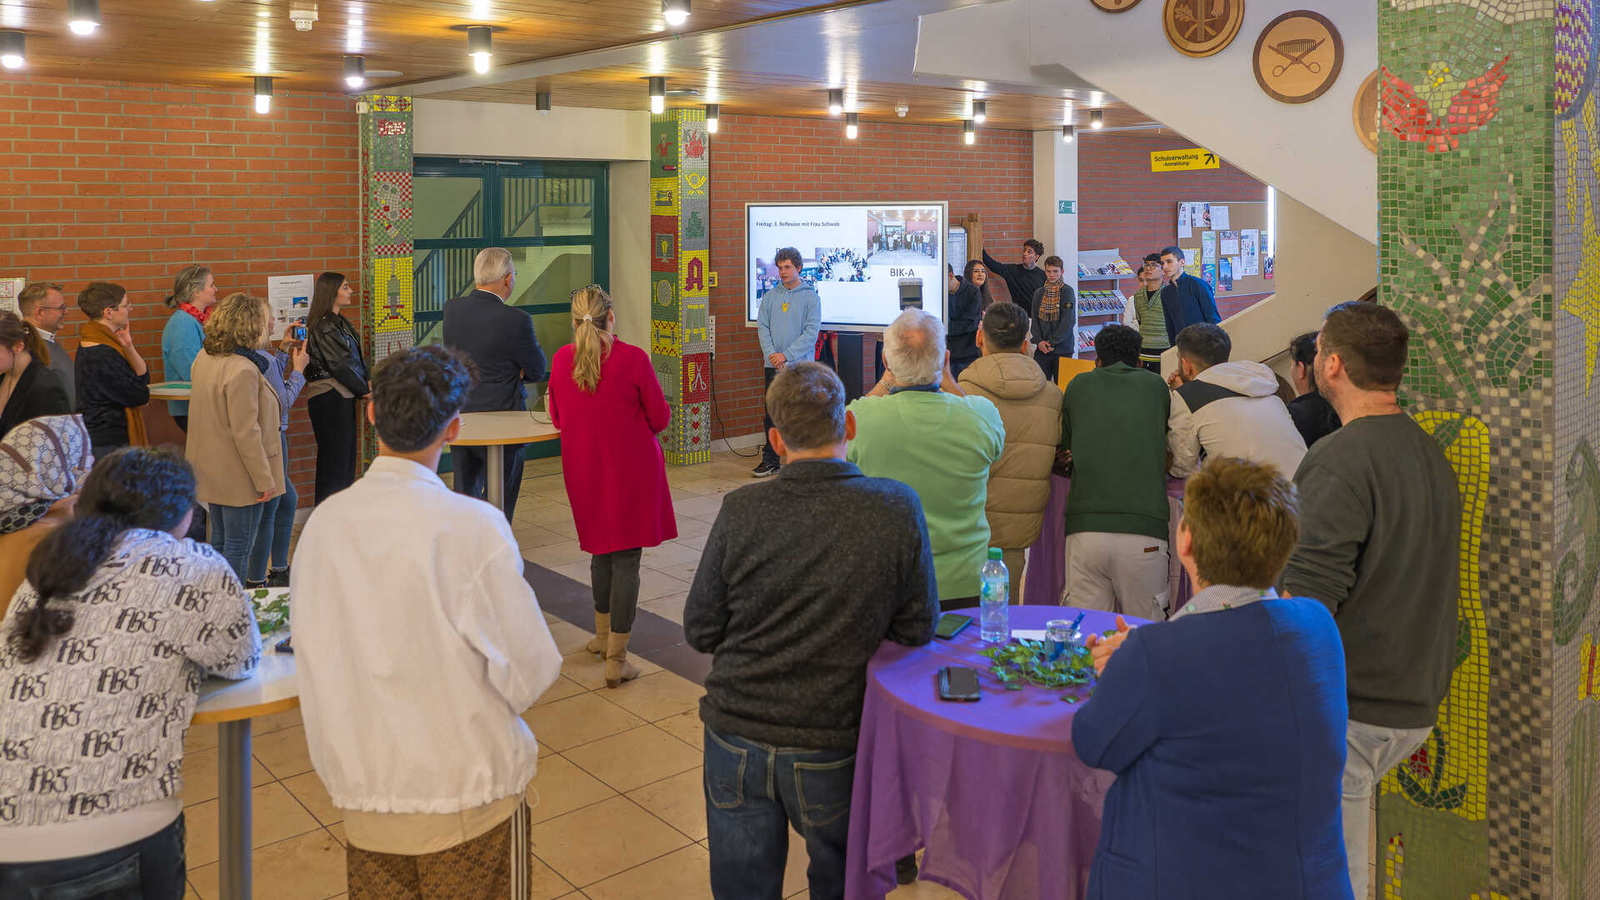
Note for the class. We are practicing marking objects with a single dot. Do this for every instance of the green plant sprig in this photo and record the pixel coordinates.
(270, 616)
(1022, 662)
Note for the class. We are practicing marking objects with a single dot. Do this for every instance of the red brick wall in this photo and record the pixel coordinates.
(1122, 204)
(129, 183)
(767, 159)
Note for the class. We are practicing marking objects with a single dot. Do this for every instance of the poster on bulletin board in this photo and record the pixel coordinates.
(1235, 256)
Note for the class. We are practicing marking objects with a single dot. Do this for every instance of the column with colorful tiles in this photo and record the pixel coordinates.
(680, 302)
(386, 232)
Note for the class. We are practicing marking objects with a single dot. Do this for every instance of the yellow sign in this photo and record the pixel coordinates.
(1183, 160)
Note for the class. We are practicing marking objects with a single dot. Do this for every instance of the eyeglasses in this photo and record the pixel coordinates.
(587, 287)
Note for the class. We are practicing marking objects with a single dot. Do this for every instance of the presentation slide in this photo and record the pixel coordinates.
(862, 258)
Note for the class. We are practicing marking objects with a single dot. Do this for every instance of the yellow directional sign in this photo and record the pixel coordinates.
(1183, 160)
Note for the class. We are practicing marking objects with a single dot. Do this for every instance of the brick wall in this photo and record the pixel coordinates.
(1123, 204)
(129, 183)
(767, 159)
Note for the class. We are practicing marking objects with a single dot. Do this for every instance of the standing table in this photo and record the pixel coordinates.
(495, 430)
(231, 705)
(171, 390)
(993, 789)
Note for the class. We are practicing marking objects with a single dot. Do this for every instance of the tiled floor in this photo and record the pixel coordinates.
(618, 810)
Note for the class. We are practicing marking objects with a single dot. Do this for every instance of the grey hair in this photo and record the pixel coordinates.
(189, 280)
(492, 264)
(913, 347)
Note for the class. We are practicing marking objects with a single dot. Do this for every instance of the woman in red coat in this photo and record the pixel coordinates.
(608, 405)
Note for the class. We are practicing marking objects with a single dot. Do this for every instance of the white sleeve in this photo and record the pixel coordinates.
(1183, 442)
(501, 619)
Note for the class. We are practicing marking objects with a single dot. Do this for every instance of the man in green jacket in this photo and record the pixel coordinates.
(1114, 432)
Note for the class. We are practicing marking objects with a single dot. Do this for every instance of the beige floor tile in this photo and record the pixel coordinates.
(544, 883)
(635, 758)
(313, 795)
(671, 552)
(578, 720)
(337, 830)
(680, 875)
(699, 543)
(689, 529)
(561, 690)
(686, 727)
(284, 753)
(530, 537)
(543, 513)
(923, 890)
(577, 571)
(602, 840)
(569, 638)
(561, 787)
(679, 801)
(669, 607)
(275, 815)
(555, 555)
(200, 776)
(655, 584)
(566, 529)
(200, 737)
(703, 508)
(275, 722)
(658, 696)
(794, 874)
(681, 573)
(308, 867)
(588, 669)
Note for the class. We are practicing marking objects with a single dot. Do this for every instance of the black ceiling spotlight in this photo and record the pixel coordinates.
(1068, 133)
(852, 125)
(541, 101)
(83, 16)
(480, 46)
(263, 91)
(658, 94)
(1097, 119)
(676, 12)
(969, 131)
(835, 101)
(980, 111)
(712, 110)
(355, 71)
(13, 49)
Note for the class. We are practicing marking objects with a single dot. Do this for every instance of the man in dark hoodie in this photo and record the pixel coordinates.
(1023, 279)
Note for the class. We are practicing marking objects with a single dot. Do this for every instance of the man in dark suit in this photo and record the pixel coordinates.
(501, 343)
(1186, 300)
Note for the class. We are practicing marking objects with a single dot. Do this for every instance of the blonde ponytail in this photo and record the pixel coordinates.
(591, 342)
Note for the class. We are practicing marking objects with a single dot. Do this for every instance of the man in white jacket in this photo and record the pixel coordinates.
(419, 646)
(1223, 408)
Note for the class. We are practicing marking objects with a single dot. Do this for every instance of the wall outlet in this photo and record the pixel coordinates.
(713, 335)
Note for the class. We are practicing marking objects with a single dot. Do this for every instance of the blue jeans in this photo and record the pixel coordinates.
(234, 530)
(754, 792)
(277, 526)
(150, 869)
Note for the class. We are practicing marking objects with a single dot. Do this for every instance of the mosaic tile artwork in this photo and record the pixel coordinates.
(1467, 201)
(680, 336)
(391, 294)
(386, 234)
(389, 208)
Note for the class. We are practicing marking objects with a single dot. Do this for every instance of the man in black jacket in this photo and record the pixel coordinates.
(500, 341)
(1023, 279)
(790, 645)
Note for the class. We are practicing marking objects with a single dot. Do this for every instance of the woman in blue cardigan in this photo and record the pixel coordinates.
(194, 292)
(1226, 725)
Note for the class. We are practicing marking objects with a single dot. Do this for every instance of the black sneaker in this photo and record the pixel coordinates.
(765, 469)
(278, 577)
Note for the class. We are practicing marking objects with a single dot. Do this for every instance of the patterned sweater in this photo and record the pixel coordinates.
(95, 725)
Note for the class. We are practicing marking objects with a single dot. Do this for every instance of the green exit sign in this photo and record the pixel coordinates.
(1066, 207)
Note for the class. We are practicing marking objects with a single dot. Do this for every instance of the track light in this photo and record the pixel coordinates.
(980, 111)
(83, 16)
(676, 12)
(712, 109)
(541, 101)
(835, 101)
(355, 71)
(852, 125)
(1068, 133)
(969, 131)
(658, 94)
(480, 46)
(13, 49)
(263, 94)
(1097, 119)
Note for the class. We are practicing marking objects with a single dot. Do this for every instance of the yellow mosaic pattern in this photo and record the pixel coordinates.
(392, 297)
(1583, 298)
(1464, 715)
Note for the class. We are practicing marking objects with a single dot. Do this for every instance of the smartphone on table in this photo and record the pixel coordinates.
(958, 683)
(950, 625)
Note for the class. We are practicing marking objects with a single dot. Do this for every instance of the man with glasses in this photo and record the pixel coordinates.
(44, 307)
(499, 340)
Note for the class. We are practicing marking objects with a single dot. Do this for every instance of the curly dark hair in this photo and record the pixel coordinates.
(790, 254)
(134, 487)
(1117, 344)
(416, 392)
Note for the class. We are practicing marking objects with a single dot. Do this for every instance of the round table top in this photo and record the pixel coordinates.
(484, 429)
(1033, 718)
(171, 390)
(272, 689)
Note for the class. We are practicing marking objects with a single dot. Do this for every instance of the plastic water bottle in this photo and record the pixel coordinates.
(995, 599)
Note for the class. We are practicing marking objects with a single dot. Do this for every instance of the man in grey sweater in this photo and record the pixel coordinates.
(792, 607)
(1380, 546)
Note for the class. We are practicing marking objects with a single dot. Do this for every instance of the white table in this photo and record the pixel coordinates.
(231, 705)
(495, 430)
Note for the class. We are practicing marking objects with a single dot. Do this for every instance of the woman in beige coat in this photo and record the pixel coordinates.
(233, 427)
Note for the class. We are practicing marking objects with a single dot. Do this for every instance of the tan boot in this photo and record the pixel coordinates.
(618, 669)
(602, 630)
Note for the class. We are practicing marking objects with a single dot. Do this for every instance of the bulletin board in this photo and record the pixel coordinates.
(1204, 235)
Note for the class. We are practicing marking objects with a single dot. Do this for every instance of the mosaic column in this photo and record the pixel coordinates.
(386, 233)
(1488, 248)
(680, 301)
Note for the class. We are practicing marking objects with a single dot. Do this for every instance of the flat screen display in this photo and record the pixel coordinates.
(867, 261)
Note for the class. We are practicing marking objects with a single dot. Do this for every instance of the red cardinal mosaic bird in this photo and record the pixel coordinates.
(1441, 108)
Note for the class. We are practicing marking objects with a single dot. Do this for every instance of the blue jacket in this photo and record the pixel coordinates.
(181, 341)
(1187, 301)
(1226, 731)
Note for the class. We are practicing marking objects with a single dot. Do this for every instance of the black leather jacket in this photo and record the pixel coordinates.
(335, 351)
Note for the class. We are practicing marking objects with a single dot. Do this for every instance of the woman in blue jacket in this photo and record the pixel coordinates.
(1226, 725)
(194, 292)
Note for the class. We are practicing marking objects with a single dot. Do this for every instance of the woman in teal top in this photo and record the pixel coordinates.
(194, 292)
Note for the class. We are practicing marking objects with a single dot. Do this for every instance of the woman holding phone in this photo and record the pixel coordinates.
(336, 377)
(286, 369)
(608, 405)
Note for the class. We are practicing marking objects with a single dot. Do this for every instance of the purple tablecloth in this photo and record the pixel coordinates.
(992, 789)
(1047, 560)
